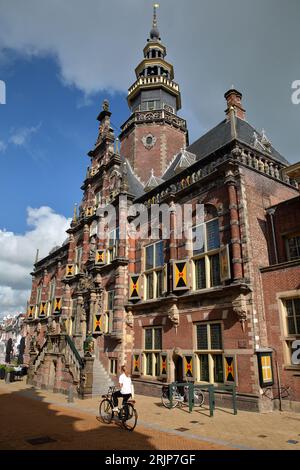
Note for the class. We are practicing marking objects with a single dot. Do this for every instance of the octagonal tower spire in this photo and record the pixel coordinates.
(153, 132)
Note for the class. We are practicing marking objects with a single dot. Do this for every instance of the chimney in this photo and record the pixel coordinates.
(234, 100)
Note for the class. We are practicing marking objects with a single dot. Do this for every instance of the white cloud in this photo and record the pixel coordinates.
(13, 300)
(98, 43)
(22, 136)
(2, 146)
(17, 255)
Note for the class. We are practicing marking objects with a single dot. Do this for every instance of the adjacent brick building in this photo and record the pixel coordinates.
(174, 309)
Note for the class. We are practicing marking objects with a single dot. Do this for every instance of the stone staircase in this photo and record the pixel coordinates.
(101, 379)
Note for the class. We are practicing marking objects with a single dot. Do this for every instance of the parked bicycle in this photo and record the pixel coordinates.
(127, 414)
(178, 399)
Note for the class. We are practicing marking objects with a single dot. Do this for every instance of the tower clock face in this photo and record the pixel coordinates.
(149, 141)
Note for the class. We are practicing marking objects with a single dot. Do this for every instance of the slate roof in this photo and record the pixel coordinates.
(152, 182)
(135, 186)
(217, 138)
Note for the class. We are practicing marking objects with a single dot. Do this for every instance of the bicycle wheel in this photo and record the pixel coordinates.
(198, 397)
(106, 411)
(128, 416)
(166, 400)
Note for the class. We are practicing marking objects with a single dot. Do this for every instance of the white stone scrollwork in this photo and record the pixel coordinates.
(149, 141)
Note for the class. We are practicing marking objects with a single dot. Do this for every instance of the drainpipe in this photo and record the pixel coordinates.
(271, 213)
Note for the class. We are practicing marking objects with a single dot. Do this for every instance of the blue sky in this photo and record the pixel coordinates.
(47, 129)
(60, 59)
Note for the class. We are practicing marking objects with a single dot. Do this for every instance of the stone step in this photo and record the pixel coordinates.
(101, 379)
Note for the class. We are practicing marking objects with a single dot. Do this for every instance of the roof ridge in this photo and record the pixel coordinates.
(133, 172)
(170, 164)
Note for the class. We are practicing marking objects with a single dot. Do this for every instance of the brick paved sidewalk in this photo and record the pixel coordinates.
(244, 431)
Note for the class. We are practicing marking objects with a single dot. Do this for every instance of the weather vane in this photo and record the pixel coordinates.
(155, 7)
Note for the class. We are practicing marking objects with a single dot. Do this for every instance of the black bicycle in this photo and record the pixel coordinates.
(127, 414)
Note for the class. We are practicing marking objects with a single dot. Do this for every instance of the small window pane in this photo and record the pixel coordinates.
(294, 247)
(200, 273)
(297, 306)
(218, 368)
(149, 283)
(149, 257)
(198, 239)
(298, 324)
(156, 358)
(159, 283)
(110, 300)
(159, 254)
(212, 235)
(204, 369)
(291, 326)
(149, 364)
(215, 336)
(289, 308)
(202, 342)
(157, 338)
(148, 339)
(215, 270)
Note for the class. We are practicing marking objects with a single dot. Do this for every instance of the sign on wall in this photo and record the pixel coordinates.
(265, 368)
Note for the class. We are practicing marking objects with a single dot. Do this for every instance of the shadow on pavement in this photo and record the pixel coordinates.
(30, 423)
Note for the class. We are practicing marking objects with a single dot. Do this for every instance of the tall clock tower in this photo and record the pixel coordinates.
(154, 132)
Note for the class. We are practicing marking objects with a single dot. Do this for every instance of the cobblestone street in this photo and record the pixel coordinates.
(27, 413)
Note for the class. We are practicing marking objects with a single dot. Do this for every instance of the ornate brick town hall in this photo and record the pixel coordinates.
(226, 311)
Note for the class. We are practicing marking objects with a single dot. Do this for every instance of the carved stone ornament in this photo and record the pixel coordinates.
(33, 344)
(51, 326)
(86, 282)
(92, 248)
(129, 319)
(240, 309)
(149, 141)
(173, 315)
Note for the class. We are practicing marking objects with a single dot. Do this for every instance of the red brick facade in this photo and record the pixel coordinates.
(206, 314)
(168, 141)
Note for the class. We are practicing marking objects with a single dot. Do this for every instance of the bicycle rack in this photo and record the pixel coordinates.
(211, 394)
(211, 390)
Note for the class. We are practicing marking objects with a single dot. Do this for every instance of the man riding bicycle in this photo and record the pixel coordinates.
(125, 389)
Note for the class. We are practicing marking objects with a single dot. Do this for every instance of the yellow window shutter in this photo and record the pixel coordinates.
(224, 263)
(57, 305)
(136, 363)
(180, 275)
(97, 324)
(70, 270)
(134, 286)
(100, 257)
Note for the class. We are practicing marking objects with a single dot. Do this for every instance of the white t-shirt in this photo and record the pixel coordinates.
(126, 384)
